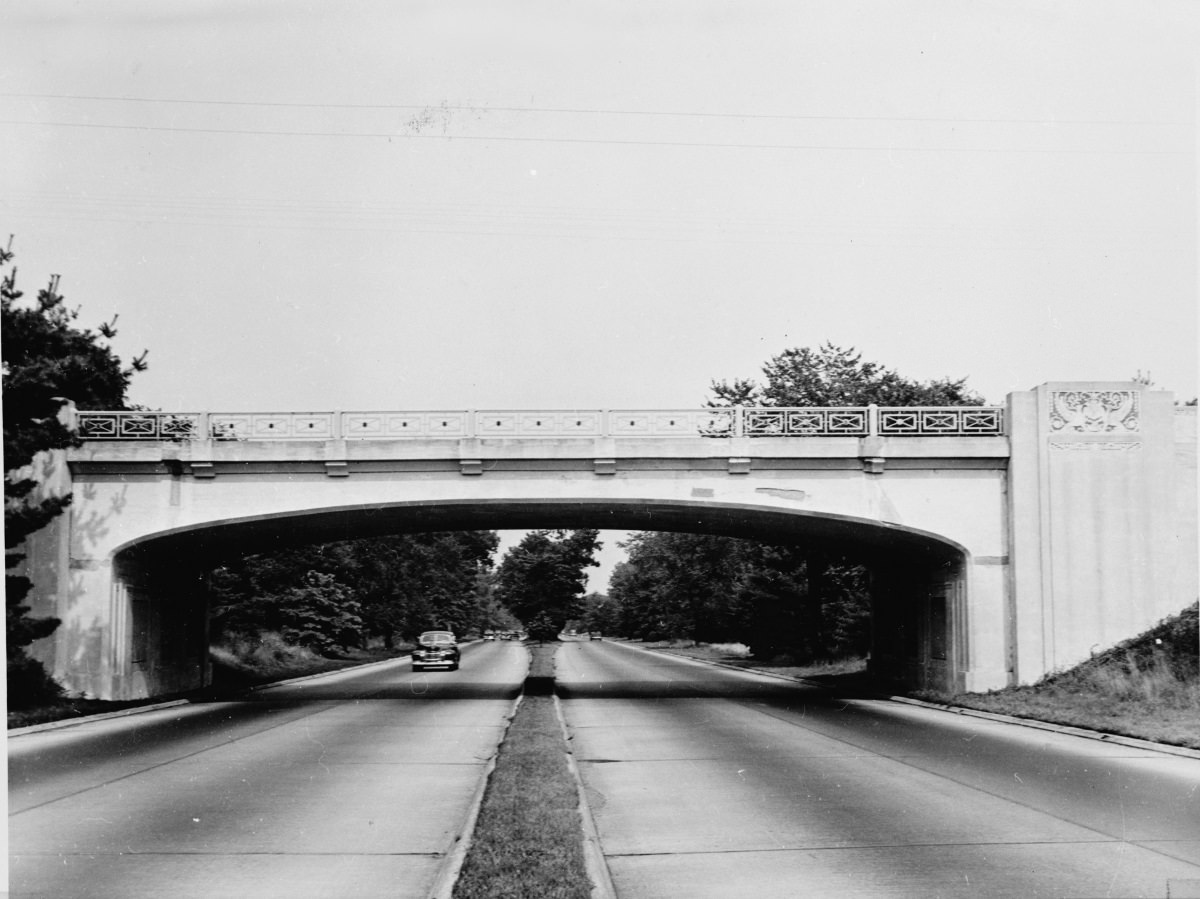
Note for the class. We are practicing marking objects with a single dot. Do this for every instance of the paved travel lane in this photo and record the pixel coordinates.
(352, 785)
(713, 783)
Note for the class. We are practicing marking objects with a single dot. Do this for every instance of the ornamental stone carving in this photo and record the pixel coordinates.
(1094, 411)
(1123, 446)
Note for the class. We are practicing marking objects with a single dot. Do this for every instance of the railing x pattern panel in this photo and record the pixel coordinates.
(953, 421)
(808, 422)
(138, 425)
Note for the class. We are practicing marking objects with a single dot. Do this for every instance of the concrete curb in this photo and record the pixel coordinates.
(365, 666)
(593, 856)
(88, 719)
(138, 709)
(452, 862)
(1118, 739)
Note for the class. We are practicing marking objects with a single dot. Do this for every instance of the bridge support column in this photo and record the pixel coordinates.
(132, 627)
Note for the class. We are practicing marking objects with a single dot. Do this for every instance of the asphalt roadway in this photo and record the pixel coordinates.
(347, 786)
(705, 782)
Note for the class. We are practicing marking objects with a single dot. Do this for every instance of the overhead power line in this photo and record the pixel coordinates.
(402, 135)
(559, 110)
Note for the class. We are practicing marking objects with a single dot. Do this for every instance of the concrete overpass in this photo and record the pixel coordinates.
(1005, 542)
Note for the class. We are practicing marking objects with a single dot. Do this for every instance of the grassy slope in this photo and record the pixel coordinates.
(1147, 687)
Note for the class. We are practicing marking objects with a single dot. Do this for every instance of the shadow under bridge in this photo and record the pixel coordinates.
(917, 580)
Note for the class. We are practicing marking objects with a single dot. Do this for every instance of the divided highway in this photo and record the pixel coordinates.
(703, 782)
(706, 782)
(348, 786)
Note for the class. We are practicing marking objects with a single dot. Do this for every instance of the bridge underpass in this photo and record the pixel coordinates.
(917, 580)
(1006, 542)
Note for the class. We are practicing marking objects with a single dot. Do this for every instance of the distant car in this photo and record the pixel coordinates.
(436, 649)
(489, 635)
(595, 635)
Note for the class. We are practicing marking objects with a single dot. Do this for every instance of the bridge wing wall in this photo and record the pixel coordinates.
(1103, 518)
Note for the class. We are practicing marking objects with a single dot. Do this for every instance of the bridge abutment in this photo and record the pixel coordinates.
(1102, 519)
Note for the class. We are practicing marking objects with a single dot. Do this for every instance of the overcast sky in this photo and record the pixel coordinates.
(402, 205)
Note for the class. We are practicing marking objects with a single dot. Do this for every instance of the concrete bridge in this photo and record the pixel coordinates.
(1004, 542)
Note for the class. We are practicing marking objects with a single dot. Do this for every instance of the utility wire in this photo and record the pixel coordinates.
(586, 111)
(889, 148)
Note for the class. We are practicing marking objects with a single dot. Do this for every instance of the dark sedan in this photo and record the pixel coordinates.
(436, 649)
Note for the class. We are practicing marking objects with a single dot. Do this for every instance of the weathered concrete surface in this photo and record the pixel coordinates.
(710, 783)
(1102, 517)
(352, 786)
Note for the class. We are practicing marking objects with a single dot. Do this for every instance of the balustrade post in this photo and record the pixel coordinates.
(338, 430)
(739, 421)
(872, 420)
(202, 427)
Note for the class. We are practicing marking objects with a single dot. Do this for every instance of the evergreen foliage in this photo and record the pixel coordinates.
(47, 361)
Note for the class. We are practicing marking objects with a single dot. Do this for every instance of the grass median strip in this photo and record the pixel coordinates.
(528, 839)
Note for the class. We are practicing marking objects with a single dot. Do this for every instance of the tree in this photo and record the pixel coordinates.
(542, 579)
(398, 585)
(600, 614)
(47, 361)
(679, 586)
(834, 376)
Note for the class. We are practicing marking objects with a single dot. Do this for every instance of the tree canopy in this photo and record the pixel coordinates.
(830, 375)
(335, 595)
(542, 579)
(47, 360)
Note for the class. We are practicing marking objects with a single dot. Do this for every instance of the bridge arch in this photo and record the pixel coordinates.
(919, 579)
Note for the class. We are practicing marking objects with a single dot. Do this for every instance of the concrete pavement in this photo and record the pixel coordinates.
(713, 783)
(350, 786)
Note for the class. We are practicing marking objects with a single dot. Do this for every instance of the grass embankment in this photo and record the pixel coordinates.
(528, 839)
(234, 668)
(1147, 687)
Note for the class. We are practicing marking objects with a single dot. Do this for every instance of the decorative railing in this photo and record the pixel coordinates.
(953, 420)
(783, 422)
(855, 421)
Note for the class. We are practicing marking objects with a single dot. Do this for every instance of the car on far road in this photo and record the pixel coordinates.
(595, 635)
(436, 649)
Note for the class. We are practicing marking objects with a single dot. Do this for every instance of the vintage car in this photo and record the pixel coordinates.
(436, 649)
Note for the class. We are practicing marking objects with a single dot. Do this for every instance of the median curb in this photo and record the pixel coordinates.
(594, 861)
(452, 862)
(1068, 729)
